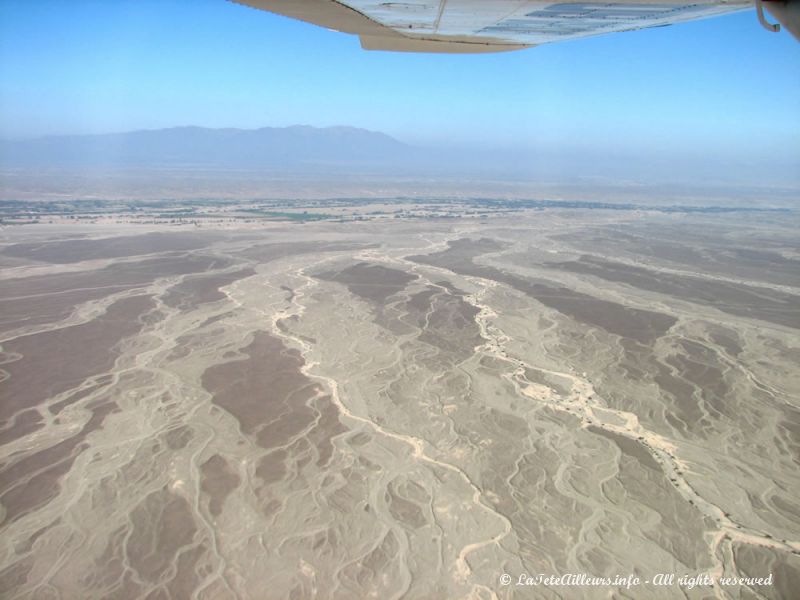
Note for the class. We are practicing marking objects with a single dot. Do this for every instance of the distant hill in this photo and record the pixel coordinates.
(200, 146)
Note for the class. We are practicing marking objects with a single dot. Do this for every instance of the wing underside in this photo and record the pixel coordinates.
(486, 25)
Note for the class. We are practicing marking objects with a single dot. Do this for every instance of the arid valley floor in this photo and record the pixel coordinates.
(402, 407)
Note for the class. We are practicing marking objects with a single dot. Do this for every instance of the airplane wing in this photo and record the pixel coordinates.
(472, 26)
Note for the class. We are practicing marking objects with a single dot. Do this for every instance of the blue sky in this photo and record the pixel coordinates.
(722, 86)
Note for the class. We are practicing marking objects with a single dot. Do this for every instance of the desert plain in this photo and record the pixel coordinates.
(401, 407)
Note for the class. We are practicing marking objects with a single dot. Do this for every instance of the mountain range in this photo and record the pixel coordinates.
(200, 146)
(302, 150)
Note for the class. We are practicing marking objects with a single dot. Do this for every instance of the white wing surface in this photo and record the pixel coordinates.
(488, 25)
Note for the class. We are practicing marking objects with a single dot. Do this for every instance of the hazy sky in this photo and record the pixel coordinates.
(722, 86)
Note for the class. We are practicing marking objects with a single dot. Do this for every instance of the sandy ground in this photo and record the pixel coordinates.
(405, 409)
